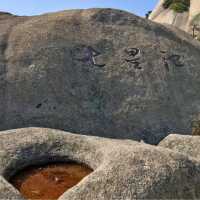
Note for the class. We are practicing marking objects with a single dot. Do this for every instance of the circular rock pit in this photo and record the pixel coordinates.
(48, 181)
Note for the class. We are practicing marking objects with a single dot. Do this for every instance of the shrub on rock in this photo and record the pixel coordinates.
(177, 5)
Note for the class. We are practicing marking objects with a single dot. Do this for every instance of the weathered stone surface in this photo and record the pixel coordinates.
(123, 169)
(7, 191)
(183, 143)
(99, 72)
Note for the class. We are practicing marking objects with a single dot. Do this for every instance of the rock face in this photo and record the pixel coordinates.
(188, 145)
(179, 20)
(123, 169)
(99, 72)
(7, 191)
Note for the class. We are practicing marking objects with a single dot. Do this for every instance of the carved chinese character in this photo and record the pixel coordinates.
(165, 60)
(88, 54)
(171, 59)
(176, 60)
(133, 57)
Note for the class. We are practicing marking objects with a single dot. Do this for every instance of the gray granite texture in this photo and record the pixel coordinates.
(123, 169)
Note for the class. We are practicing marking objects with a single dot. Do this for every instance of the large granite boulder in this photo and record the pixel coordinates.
(123, 169)
(186, 144)
(98, 72)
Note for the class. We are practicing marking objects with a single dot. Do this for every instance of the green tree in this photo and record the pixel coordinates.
(147, 14)
(177, 5)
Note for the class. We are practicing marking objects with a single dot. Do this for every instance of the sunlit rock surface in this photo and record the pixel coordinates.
(185, 144)
(181, 20)
(123, 169)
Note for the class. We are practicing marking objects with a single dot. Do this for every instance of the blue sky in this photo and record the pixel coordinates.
(33, 7)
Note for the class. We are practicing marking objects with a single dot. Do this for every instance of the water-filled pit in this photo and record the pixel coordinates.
(49, 181)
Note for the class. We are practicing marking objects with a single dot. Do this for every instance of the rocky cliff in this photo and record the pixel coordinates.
(184, 19)
(98, 72)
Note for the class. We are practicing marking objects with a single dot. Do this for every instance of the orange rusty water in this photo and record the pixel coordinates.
(49, 181)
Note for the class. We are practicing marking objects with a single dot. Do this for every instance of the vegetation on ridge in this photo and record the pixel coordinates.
(177, 5)
(195, 24)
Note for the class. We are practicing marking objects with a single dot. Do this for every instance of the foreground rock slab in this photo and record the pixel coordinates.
(123, 169)
(97, 72)
(189, 145)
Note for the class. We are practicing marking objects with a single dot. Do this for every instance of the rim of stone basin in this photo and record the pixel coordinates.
(36, 147)
(123, 169)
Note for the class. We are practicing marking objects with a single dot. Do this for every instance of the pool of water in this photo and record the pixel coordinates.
(49, 181)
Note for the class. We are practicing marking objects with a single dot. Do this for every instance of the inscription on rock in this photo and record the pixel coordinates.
(88, 55)
(133, 57)
(172, 59)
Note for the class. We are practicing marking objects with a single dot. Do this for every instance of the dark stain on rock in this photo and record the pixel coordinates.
(39, 105)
